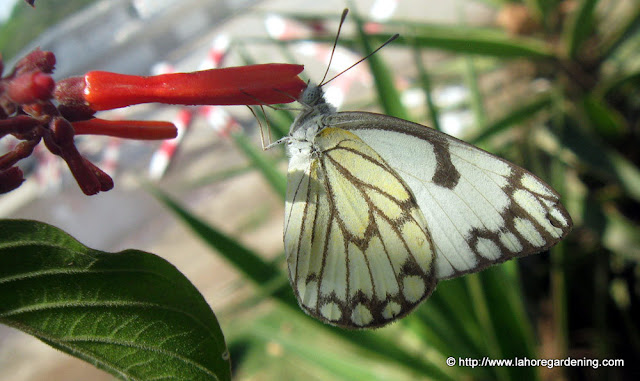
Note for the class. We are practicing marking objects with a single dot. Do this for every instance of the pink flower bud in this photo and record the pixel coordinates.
(30, 87)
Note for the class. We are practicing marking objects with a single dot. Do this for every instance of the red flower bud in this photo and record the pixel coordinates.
(60, 142)
(105, 181)
(37, 60)
(10, 179)
(62, 132)
(19, 152)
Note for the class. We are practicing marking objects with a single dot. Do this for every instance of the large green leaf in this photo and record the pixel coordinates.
(130, 313)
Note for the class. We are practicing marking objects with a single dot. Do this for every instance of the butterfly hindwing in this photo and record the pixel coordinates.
(479, 209)
(358, 250)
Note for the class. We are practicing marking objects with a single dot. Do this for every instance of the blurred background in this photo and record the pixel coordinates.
(550, 85)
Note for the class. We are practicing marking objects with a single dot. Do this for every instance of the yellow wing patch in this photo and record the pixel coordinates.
(358, 250)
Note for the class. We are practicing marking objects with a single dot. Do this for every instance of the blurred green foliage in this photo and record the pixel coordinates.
(24, 25)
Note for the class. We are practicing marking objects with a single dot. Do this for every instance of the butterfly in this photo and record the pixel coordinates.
(379, 209)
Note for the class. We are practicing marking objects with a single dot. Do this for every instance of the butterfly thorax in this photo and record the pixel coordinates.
(309, 122)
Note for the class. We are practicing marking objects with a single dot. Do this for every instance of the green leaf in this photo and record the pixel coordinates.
(460, 39)
(605, 120)
(626, 29)
(542, 9)
(513, 330)
(619, 81)
(278, 121)
(388, 95)
(340, 364)
(240, 48)
(476, 98)
(558, 277)
(130, 313)
(244, 259)
(472, 40)
(274, 177)
(425, 81)
(603, 160)
(218, 176)
(495, 3)
(263, 273)
(621, 235)
(580, 26)
(478, 301)
(521, 113)
(449, 323)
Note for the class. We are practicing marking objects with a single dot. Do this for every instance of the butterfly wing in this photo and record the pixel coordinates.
(357, 249)
(479, 208)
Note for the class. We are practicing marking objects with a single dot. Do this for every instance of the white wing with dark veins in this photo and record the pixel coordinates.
(479, 209)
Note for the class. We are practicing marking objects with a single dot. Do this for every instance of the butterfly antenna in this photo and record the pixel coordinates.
(362, 59)
(335, 43)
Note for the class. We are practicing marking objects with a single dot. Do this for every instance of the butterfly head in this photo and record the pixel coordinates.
(313, 100)
(312, 95)
(314, 105)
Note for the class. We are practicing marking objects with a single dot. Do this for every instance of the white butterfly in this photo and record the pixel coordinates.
(379, 209)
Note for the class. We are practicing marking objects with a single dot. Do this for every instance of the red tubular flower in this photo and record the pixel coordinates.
(129, 129)
(244, 85)
(35, 108)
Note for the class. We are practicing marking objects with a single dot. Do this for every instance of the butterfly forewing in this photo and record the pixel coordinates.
(358, 250)
(479, 209)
